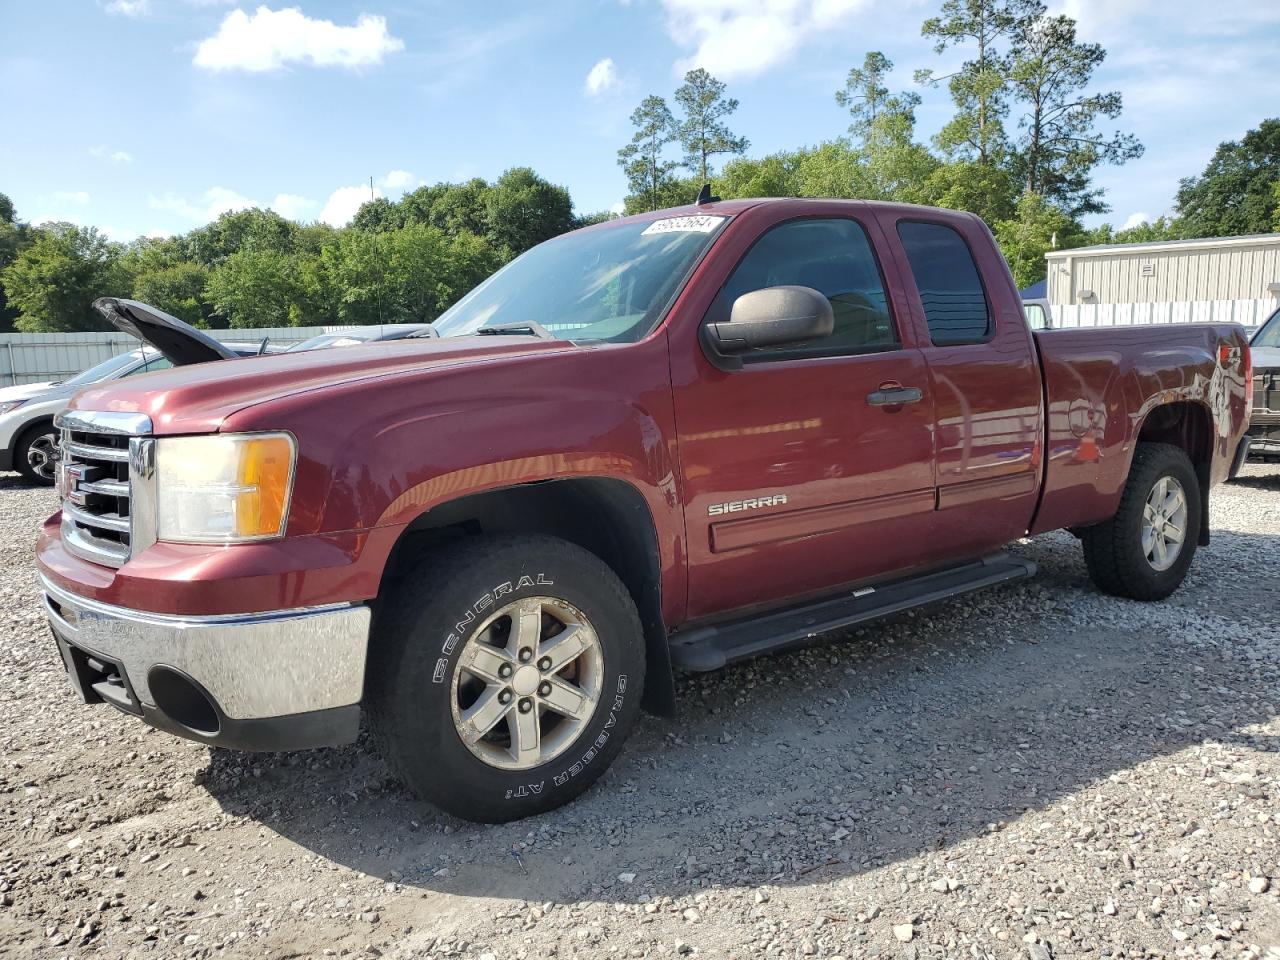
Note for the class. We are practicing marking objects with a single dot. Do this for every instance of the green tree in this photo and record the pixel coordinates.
(54, 281)
(237, 230)
(1236, 193)
(1060, 144)
(257, 288)
(978, 88)
(452, 207)
(876, 114)
(428, 270)
(989, 191)
(702, 132)
(648, 173)
(177, 289)
(522, 209)
(378, 215)
(1037, 227)
(14, 237)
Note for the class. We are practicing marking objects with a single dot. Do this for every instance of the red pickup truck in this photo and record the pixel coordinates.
(666, 442)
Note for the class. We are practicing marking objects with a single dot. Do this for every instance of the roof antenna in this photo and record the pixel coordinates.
(704, 195)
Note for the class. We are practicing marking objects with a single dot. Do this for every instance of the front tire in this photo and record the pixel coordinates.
(505, 674)
(34, 455)
(1144, 551)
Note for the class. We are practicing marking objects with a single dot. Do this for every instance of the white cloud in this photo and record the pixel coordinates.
(618, 209)
(78, 197)
(269, 39)
(1136, 220)
(397, 180)
(215, 202)
(742, 38)
(113, 156)
(343, 204)
(292, 206)
(129, 8)
(602, 78)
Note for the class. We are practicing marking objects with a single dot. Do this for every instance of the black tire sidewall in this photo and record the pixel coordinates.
(431, 626)
(1157, 584)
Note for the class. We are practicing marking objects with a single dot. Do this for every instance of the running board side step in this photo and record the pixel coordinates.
(709, 648)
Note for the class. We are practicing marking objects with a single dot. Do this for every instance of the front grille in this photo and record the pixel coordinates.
(1266, 392)
(95, 506)
(100, 459)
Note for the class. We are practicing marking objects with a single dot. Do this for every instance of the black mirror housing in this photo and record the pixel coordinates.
(771, 317)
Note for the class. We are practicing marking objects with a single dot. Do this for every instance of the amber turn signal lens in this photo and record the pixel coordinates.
(265, 466)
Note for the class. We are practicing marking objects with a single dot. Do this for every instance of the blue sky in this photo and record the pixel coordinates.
(152, 116)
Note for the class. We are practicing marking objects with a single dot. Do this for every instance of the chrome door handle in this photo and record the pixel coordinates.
(895, 397)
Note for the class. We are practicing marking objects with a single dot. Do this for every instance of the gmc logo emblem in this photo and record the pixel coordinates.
(72, 474)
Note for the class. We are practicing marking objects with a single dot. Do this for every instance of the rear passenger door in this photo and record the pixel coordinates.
(985, 380)
(795, 478)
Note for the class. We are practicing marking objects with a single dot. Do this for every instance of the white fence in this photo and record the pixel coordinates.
(37, 357)
(1247, 313)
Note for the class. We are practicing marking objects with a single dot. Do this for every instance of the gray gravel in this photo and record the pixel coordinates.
(1033, 772)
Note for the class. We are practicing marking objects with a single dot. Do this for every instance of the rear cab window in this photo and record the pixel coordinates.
(947, 279)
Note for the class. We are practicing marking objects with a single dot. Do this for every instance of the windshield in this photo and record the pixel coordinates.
(610, 283)
(1268, 334)
(105, 369)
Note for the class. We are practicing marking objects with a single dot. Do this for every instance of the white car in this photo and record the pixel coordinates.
(27, 411)
(27, 436)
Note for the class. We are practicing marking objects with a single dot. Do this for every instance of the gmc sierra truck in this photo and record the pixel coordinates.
(665, 442)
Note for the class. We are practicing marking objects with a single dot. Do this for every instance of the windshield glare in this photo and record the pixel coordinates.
(1268, 334)
(609, 283)
(105, 369)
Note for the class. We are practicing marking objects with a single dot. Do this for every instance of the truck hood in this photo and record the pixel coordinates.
(197, 399)
(1266, 358)
(179, 342)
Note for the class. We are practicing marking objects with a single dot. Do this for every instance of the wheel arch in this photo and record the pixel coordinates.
(606, 516)
(1187, 425)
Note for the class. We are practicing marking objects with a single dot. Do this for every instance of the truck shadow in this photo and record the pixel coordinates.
(907, 737)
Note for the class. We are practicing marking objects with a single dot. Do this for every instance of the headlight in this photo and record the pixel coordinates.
(223, 488)
(11, 405)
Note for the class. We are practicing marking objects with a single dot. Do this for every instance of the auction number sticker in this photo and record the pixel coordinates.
(702, 224)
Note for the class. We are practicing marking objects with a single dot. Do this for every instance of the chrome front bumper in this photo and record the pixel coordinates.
(275, 680)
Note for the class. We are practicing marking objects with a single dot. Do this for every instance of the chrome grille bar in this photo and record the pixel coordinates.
(104, 471)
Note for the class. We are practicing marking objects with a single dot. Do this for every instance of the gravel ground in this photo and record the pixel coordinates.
(1035, 772)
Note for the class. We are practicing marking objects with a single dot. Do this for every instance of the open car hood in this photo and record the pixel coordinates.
(179, 342)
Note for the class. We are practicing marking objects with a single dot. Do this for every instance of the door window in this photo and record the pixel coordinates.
(955, 305)
(833, 257)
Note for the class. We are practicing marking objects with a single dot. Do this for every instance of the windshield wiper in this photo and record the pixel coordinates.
(516, 328)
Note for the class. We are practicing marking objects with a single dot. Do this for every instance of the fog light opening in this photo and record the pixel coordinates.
(180, 699)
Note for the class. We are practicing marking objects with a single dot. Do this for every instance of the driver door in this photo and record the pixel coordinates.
(796, 477)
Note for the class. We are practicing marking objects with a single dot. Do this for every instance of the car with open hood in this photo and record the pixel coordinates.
(27, 411)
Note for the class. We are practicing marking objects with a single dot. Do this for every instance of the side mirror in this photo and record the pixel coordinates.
(771, 317)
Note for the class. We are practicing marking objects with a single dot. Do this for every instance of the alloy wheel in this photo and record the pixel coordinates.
(527, 683)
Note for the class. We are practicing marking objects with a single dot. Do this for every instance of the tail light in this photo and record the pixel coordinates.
(1247, 359)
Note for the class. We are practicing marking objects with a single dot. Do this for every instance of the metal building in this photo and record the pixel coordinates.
(1228, 278)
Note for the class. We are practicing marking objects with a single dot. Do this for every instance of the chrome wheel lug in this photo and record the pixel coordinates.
(525, 654)
(505, 671)
(504, 697)
(544, 688)
(526, 705)
(544, 664)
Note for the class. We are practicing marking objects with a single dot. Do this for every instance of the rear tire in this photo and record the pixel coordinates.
(1144, 551)
(33, 454)
(477, 699)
